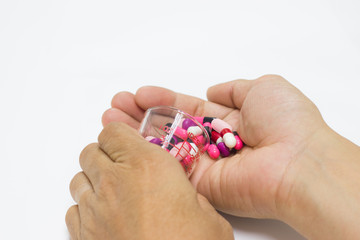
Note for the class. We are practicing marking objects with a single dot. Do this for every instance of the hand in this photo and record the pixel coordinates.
(132, 189)
(293, 168)
(273, 118)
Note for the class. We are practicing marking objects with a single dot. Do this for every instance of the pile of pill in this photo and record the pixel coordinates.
(188, 140)
(223, 139)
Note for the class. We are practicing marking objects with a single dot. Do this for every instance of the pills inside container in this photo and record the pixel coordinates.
(186, 138)
(176, 132)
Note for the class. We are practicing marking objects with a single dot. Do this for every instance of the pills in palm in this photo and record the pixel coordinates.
(187, 137)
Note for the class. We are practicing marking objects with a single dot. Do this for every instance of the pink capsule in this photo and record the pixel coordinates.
(199, 119)
(181, 133)
(180, 150)
(188, 160)
(239, 143)
(198, 140)
(205, 147)
(213, 151)
(218, 125)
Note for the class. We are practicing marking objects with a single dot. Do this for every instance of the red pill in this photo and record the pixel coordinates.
(216, 137)
(226, 132)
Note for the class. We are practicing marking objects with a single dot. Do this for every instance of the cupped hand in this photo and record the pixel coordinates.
(275, 121)
(130, 190)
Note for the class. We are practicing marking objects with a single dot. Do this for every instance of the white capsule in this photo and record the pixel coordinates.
(194, 149)
(229, 140)
(194, 130)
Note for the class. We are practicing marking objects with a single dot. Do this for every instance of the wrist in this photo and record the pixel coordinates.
(323, 194)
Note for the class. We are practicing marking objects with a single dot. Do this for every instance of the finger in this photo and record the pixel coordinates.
(125, 101)
(73, 222)
(117, 115)
(130, 151)
(230, 94)
(80, 186)
(94, 162)
(119, 141)
(147, 97)
(201, 167)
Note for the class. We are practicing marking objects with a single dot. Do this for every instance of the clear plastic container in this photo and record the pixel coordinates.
(176, 132)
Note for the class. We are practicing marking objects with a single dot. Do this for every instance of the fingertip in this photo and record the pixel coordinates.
(230, 94)
(120, 97)
(117, 115)
(150, 96)
(107, 116)
(73, 223)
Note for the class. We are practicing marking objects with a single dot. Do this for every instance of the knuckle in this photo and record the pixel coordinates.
(108, 132)
(117, 140)
(107, 180)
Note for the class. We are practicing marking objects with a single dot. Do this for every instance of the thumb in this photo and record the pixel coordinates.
(230, 94)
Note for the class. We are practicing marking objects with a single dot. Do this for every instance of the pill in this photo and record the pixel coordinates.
(180, 150)
(224, 150)
(205, 147)
(172, 143)
(197, 141)
(213, 151)
(156, 141)
(239, 143)
(179, 132)
(208, 119)
(149, 138)
(199, 119)
(225, 130)
(216, 137)
(218, 125)
(228, 137)
(194, 131)
(208, 128)
(188, 160)
(194, 149)
(188, 123)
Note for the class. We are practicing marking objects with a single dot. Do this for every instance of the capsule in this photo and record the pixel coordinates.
(188, 123)
(239, 144)
(213, 151)
(225, 130)
(180, 150)
(224, 150)
(179, 132)
(194, 131)
(208, 128)
(156, 141)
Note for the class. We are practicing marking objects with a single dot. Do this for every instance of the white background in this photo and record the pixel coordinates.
(62, 61)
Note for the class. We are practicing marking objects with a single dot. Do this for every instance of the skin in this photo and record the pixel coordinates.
(293, 168)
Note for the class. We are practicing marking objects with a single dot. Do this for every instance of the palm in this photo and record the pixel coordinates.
(272, 118)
